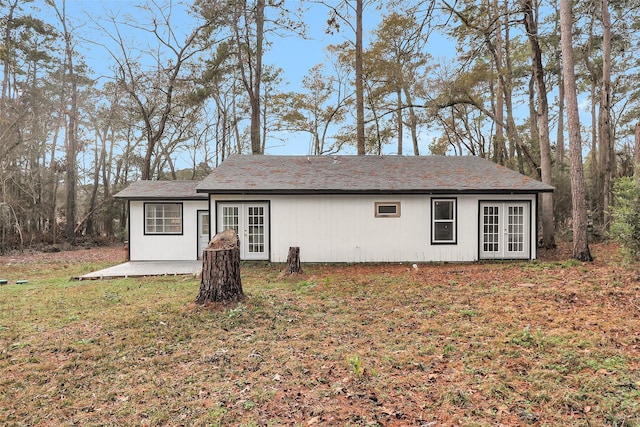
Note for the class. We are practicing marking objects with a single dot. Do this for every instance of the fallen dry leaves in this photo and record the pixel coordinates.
(109, 254)
(550, 342)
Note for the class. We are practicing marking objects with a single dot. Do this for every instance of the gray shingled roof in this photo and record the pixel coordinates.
(154, 190)
(365, 174)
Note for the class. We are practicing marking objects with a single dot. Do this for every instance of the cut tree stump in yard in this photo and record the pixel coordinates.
(293, 261)
(220, 281)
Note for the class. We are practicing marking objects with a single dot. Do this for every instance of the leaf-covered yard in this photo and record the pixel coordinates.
(544, 343)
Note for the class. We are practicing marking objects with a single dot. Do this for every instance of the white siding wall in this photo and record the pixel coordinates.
(164, 247)
(344, 228)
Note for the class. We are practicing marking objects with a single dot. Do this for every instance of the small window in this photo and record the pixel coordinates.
(204, 227)
(163, 218)
(443, 223)
(387, 209)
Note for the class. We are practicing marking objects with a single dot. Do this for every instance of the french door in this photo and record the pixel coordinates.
(251, 222)
(505, 230)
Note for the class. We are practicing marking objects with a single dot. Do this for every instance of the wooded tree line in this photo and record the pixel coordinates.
(171, 102)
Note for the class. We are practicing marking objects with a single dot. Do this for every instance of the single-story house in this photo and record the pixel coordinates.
(343, 209)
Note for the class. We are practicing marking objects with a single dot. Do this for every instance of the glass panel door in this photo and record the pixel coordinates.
(504, 230)
(250, 221)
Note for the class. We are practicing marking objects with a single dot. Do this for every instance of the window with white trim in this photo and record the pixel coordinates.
(387, 209)
(443, 221)
(163, 218)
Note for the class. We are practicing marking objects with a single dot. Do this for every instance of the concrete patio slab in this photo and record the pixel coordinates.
(146, 268)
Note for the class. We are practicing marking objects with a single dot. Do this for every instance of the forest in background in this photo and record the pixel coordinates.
(178, 104)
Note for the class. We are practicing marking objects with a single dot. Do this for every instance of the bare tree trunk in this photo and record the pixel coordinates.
(399, 120)
(606, 140)
(360, 141)
(256, 146)
(106, 188)
(517, 148)
(55, 172)
(250, 67)
(98, 161)
(548, 230)
(72, 168)
(578, 192)
(594, 172)
(560, 148)
(145, 174)
(6, 58)
(413, 121)
(533, 109)
(560, 154)
(499, 146)
(71, 128)
(636, 151)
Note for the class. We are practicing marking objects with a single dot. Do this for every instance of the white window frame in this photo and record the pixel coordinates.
(379, 214)
(453, 221)
(158, 224)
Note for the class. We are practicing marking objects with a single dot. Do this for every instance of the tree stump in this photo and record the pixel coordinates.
(293, 261)
(220, 280)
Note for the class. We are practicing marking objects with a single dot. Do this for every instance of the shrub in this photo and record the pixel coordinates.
(625, 216)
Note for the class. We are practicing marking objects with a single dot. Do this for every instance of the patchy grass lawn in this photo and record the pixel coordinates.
(544, 343)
